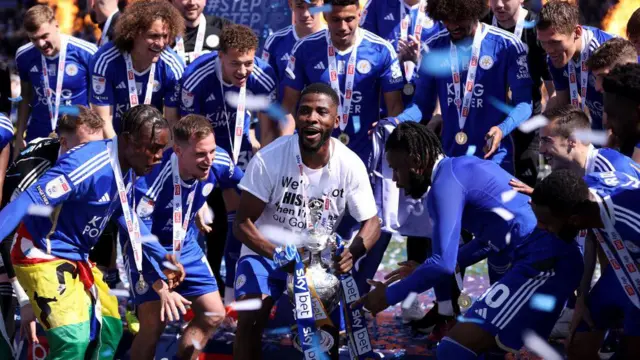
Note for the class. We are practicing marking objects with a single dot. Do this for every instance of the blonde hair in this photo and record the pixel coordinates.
(36, 16)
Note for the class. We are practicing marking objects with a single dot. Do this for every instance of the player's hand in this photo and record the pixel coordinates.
(580, 313)
(493, 139)
(174, 276)
(28, 324)
(521, 187)
(200, 220)
(344, 262)
(171, 303)
(406, 268)
(408, 50)
(376, 300)
(19, 145)
(435, 124)
(255, 145)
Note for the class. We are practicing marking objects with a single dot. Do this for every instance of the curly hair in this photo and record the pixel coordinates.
(456, 10)
(138, 18)
(563, 192)
(239, 37)
(559, 15)
(624, 81)
(614, 52)
(418, 141)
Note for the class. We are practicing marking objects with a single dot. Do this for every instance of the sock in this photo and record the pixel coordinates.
(229, 295)
(445, 308)
(450, 349)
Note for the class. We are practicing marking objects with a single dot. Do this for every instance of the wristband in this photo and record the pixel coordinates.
(357, 248)
(282, 256)
(22, 297)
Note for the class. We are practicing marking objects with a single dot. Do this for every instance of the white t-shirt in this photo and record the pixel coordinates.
(273, 176)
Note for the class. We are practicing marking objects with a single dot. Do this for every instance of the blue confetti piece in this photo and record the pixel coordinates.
(542, 302)
(279, 331)
(276, 112)
(69, 110)
(471, 150)
(500, 105)
(530, 24)
(320, 9)
(16, 99)
(356, 123)
(463, 319)
(436, 63)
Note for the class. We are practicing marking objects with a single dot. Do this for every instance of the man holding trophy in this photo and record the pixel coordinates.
(294, 194)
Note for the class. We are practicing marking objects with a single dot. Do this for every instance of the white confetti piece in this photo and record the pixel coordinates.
(533, 124)
(507, 238)
(169, 266)
(121, 293)
(320, 9)
(214, 313)
(40, 210)
(542, 302)
(252, 102)
(595, 137)
(471, 150)
(503, 213)
(196, 344)
(536, 344)
(148, 239)
(508, 196)
(246, 305)
(406, 304)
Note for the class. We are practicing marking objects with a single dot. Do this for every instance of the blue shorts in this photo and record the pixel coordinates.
(258, 275)
(610, 306)
(505, 309)
(199, 280)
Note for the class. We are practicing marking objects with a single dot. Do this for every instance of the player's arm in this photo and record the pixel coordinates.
(636, 153)
(289, 102)
(561, 84)
(172, 94)
(102, 99)
(392, 82)
(4, 163)
(294, 81)
(24, 110)
(446, 210)
(106, 113)
(229, 181)
(425, 98)
(472, 252)
(368, 19)
(590, 258)
(172, 115)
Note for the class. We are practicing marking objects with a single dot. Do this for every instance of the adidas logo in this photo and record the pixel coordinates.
(285, 57)
(389, 17)
(121, 85)
(482, 313)
(528, 173)
(34, 69)
(319, 66)
(211, 98)
(105, 198)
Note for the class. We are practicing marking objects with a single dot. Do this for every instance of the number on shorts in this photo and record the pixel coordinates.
(496, 296)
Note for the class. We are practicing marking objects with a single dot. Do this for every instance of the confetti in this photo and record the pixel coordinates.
(120, 293)
(276, 112)
(463, 319)
(252, 102)
(148, 239)
(533, 124)
(594, 137)
(530, 24)
(500, 105)
(507, 239)
(503, 213)
(246, 305)
(406, 304)
(320, 9)
(196, 344)
(542, 302)
(40, 210)
(16, 99)
(471, 150)
(508, 196)
(69, 110)
(214, 313)
(436, 63)
(536, 344)
(169, 266)
(281, 236)
(279, 331)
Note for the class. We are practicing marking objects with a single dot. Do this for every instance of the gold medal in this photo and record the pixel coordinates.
(141, 286)
(461, 138)
(53, 135)
(408, 89)
(464, 301)
(344, 138)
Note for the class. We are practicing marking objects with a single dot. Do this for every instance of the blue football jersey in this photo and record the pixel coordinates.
(605, 160)
(377, 71)
(502, 65)
(110, 86)
(276, 52)
(82, 189)
(561, 77)
(6, 130)
(202, 94)
(75, 84)
(154, 195)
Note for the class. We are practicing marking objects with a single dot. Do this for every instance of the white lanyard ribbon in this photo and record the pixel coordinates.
(54, 108)
(197, 50)
(104, 38)
(584, 73)
(519, 24)
(630, 283)
(405, 19)
(471, 75)
(131, 82)
(179, 224)
(240, 113)
(133, 227)
(345, 104)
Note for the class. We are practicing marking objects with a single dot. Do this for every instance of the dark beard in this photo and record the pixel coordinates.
(418, 185)
(312, 149)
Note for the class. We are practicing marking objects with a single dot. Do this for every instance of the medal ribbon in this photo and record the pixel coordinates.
(197, 50)
(131, 82)
(584, 74)
(180, 230)
(405, 19)
(519, 24)
(631, 282)
(55, 109)
(481, 32)
(356, 326)
(105, 29)
(345, 104)
(240, 113)
(307, 333)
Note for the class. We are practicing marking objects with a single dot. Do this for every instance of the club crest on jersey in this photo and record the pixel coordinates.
(396, 73)
(206, 189)
(145, 207)
(240, 281)
(427, 23)
(71, 69)
(364, 66)
(187, 98)
(156, 86)
(57, 187)
(99, 84)
(486, 62)
(212, 41)
(632, 247)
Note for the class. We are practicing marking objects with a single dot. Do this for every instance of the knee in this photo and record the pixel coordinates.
(450, 349)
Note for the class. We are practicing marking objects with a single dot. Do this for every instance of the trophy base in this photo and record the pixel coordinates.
(327, 342)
